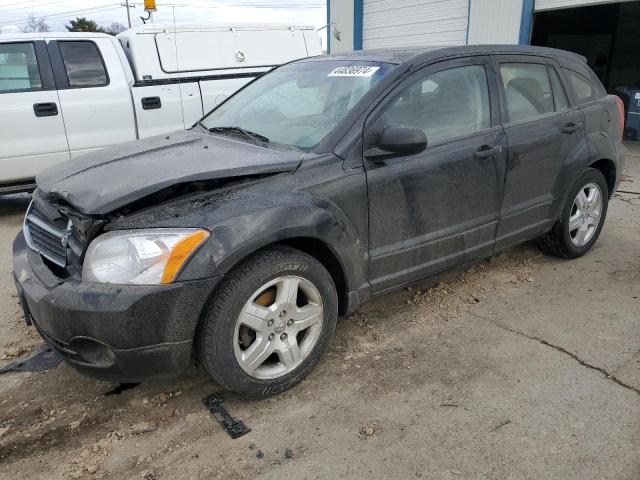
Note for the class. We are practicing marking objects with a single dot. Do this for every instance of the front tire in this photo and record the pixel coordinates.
(582, 217)
(269, 323)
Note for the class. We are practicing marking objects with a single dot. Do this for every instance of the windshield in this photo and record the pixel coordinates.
(297, 104)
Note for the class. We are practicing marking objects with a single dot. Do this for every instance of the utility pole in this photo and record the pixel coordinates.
(126, 4)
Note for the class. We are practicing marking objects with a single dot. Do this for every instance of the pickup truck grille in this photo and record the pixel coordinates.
(46, 238)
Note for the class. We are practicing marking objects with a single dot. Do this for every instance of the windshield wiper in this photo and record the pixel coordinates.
(256, 138)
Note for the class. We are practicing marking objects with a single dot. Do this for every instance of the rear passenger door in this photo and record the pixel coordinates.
(544, 135)
(165, 106)
(95, 95)
(32, 135)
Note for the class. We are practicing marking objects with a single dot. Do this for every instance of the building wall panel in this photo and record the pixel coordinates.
(409, 23)
(495, 21)
(341, 12)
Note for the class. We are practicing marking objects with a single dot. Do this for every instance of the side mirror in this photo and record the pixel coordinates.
(398, 140)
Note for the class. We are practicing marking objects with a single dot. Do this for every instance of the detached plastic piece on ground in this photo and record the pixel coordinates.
(39, 360)
(235, 428)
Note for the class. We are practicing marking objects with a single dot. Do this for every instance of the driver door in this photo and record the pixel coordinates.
(439, 208)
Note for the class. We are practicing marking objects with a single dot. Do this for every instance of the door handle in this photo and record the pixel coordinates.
(571, 127)
(48, 109)
(151, 103)
(487, 151)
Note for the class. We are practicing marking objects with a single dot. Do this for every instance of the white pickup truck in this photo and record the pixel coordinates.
(65, 94)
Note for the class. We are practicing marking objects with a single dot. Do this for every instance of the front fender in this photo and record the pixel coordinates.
(241, 236)
(296, 215)
(322, 203)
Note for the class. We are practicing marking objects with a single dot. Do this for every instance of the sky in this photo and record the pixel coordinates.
(57, 13)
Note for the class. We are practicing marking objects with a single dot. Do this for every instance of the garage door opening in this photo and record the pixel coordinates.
(609, 37)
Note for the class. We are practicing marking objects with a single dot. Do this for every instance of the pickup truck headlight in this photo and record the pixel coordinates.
(142, 257)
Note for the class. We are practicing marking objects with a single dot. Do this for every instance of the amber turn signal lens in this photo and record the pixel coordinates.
(181, 252)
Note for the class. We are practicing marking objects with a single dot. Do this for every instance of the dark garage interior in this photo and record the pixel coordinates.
(609, 37)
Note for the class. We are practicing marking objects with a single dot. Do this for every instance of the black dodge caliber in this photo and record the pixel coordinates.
(315, 187)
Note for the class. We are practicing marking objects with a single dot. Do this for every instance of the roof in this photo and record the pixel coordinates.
(41, 35)
(157, 28)
(208, 27)
(415, 55)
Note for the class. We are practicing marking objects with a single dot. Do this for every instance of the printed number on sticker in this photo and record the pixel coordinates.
(353, 71)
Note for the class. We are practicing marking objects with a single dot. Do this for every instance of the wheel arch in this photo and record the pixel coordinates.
(306, 223)
(607, 167)
(315, 247)
(324, 236)
(322, 252)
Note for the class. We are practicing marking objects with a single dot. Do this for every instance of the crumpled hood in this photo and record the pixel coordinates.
(111, 178)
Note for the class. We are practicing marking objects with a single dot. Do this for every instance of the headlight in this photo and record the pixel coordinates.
(147, 257)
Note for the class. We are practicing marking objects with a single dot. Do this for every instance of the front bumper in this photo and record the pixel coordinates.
(120, 333)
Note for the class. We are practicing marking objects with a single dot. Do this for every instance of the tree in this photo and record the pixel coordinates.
(115, 28)
(82, 24)
(36, 25)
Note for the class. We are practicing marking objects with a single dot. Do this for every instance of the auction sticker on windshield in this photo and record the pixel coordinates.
(353, 71)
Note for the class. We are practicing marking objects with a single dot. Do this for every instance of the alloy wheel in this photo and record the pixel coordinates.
(278, 327)
(586, 213)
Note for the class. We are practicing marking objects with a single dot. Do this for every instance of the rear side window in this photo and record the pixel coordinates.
(559, 94)
(582, 86)
(83, 64)
(445, 104)
(18, 67)
(527, 90)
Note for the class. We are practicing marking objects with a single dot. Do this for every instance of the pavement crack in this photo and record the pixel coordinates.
(607, 375)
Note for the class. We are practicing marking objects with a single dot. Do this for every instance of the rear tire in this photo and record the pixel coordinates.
(269, 323)
(581, 219)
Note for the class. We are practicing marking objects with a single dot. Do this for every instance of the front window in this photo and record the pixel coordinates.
(445, 104)
(298, 104)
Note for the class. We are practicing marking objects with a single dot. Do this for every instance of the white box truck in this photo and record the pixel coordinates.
(65, 94)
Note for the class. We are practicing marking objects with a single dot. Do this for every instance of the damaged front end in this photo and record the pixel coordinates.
(59, 233)
(110, 265)
(110, 331)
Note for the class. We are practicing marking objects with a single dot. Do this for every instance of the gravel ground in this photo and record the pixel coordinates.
(524, 366)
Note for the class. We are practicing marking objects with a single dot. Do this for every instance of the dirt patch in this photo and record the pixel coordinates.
(416, 307)
(85, 433)
(23, 339)
(415, 385)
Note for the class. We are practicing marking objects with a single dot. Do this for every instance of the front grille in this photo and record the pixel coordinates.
(46, 238)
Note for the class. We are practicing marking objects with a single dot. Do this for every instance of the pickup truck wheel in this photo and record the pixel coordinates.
(581, 219)
(269, 323)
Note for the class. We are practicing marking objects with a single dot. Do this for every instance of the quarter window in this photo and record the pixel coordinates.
(83, 64)
(18, 67)
(527, 89)
(445, 104)
(581, 86)
(559, 95)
